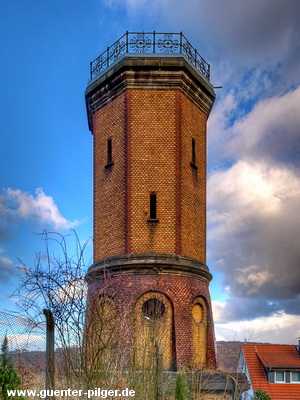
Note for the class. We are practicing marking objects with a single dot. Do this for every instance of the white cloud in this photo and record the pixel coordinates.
(279, 327)
(270, 130)
(253, 187)
(16, 205)
(252, 276)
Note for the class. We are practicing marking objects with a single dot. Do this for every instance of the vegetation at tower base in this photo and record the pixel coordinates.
(9, 379)
(180, 388)
(261, 395)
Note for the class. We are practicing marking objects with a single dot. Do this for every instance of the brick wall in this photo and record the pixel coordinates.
(193, 181)
(109, 183)
(151, 133)
(152, 169)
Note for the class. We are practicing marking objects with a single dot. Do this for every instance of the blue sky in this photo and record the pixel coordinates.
(253, 141)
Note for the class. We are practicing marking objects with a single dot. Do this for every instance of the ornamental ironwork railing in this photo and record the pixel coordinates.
(149, 43)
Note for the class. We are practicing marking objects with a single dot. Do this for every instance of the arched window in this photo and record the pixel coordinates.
(199, 328)
(153, 330)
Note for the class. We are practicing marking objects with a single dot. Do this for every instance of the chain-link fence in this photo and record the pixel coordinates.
(26, 348)
(115, 367)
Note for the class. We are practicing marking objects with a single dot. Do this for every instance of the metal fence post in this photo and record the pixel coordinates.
(50, 362)
(158, 373)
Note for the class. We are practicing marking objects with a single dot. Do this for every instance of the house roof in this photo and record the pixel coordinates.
(280, 356)
(272, 355)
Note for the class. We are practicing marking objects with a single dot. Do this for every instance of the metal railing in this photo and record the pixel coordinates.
(149, 43)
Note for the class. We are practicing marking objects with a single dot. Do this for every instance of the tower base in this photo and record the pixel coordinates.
(156, 300)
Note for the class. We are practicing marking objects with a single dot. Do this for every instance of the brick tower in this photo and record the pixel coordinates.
(148, 102)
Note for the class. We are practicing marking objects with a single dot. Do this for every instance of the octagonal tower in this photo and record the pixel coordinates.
(148, 102)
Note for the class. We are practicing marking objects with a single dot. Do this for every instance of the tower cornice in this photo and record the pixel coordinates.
(163, 72)
(150, 263)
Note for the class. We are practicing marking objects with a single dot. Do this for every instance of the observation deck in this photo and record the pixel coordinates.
(149, 43)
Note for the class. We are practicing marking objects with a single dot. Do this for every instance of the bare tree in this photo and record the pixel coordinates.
(94, 347)
(56, 282)
(87, 348)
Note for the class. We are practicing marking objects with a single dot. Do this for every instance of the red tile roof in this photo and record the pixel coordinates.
(272, 355)
(284, 356)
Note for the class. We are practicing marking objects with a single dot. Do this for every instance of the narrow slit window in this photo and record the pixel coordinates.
(109, 151)
(193, 152)
(152, 206)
